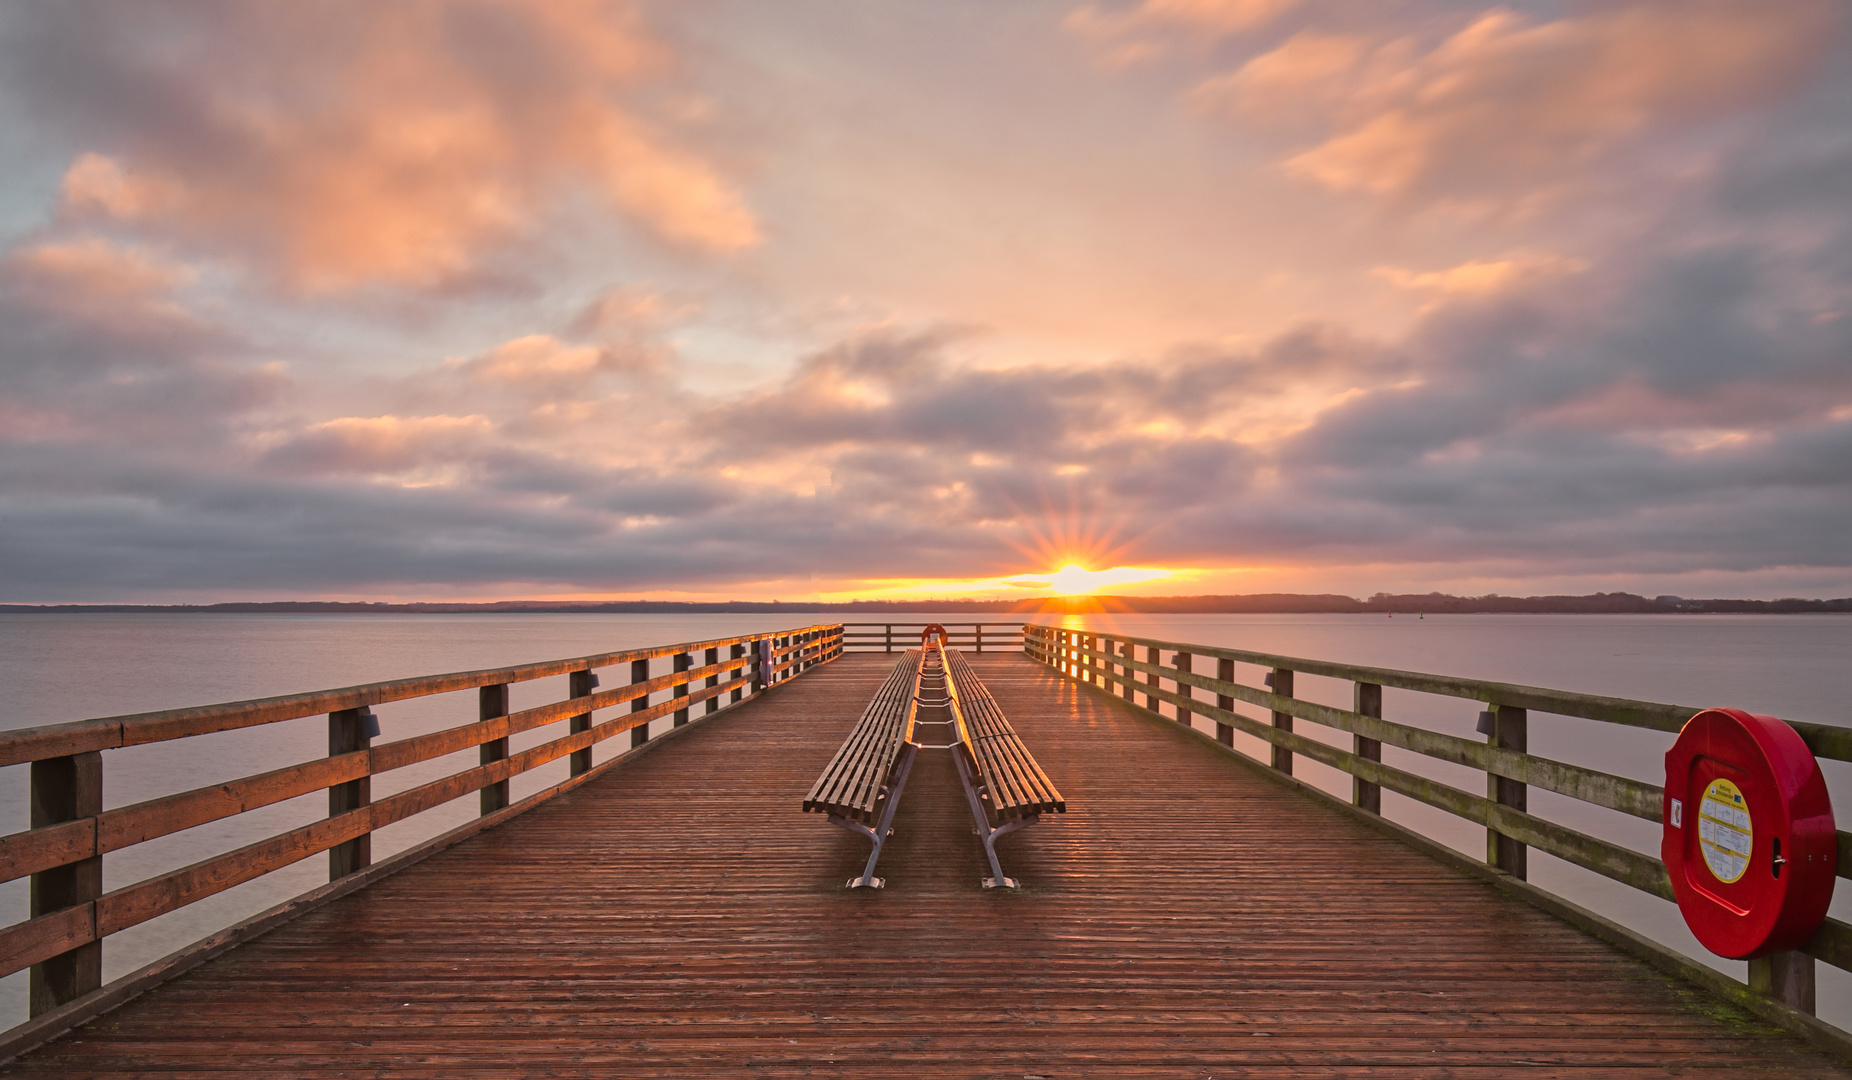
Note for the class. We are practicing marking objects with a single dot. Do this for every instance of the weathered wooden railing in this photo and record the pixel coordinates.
(70, 832)
(900, 636)
(1135, 668)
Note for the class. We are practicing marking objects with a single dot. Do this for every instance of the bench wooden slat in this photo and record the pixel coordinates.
(1016, 783)
(852, 782)
(847, 781)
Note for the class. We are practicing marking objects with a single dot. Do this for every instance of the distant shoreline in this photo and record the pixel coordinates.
(1259, 604)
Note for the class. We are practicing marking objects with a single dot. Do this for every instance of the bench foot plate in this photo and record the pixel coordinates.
(1008, 883)
(867, 883)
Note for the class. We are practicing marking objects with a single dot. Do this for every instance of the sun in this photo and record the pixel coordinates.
(1073, 579)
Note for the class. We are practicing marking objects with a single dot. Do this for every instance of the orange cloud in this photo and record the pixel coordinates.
(95, 267)
(98, 183)
(536, 356)
(1129, 35)
(1481, 277)
(415, 450)
(540, 366)
(1507, 106)
(101, 282)
(396, 143)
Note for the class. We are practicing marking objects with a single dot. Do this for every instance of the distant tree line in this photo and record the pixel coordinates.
(1253, 604)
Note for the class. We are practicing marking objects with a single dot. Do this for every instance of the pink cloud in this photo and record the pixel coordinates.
(1507, 107)
(397, 142)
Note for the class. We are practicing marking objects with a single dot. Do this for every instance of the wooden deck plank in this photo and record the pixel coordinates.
(683, 917)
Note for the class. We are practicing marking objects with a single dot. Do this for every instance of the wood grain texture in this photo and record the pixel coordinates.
(854, 782)
(1186, 919)
(1012, 779)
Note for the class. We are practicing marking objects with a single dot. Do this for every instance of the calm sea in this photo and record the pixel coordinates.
(56, 668)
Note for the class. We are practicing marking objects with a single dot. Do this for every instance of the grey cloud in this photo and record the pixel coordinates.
(130, 362)
(931, 473)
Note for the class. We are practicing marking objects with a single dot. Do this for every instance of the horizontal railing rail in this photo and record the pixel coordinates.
(71, 915)
(901, 636)
(1111, 663)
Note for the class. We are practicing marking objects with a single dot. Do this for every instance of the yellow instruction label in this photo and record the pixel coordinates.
(1724, 832)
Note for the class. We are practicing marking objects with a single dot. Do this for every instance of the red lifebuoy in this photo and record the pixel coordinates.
(945, 639)
(1748, 835)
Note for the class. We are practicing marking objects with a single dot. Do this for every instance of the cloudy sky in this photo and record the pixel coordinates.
(818, 298)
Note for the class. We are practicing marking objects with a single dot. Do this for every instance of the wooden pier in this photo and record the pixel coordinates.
(678, 915)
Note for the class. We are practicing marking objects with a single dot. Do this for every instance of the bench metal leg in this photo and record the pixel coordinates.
(884, 828)
(988, 834)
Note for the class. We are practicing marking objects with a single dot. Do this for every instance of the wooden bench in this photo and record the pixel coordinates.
(861, 785)
(1009, 785)
(933, 688)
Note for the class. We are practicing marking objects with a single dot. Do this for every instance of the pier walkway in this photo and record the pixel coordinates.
(680, 916)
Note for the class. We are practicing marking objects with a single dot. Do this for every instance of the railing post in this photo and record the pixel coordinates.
(492, 702)
(1152, 657)
(66, 789)
(1184, 662)
(1510, 731)
(1363, 794)
(890, 637)
(1786, 976)
(680, 691)
(1225, 671)
(639, 673)
(737, 652)
(977, 629)
(709, 660)
(1282, 682)
(1128, 652)
(348, 733)
(761, 663)
(581, 684)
